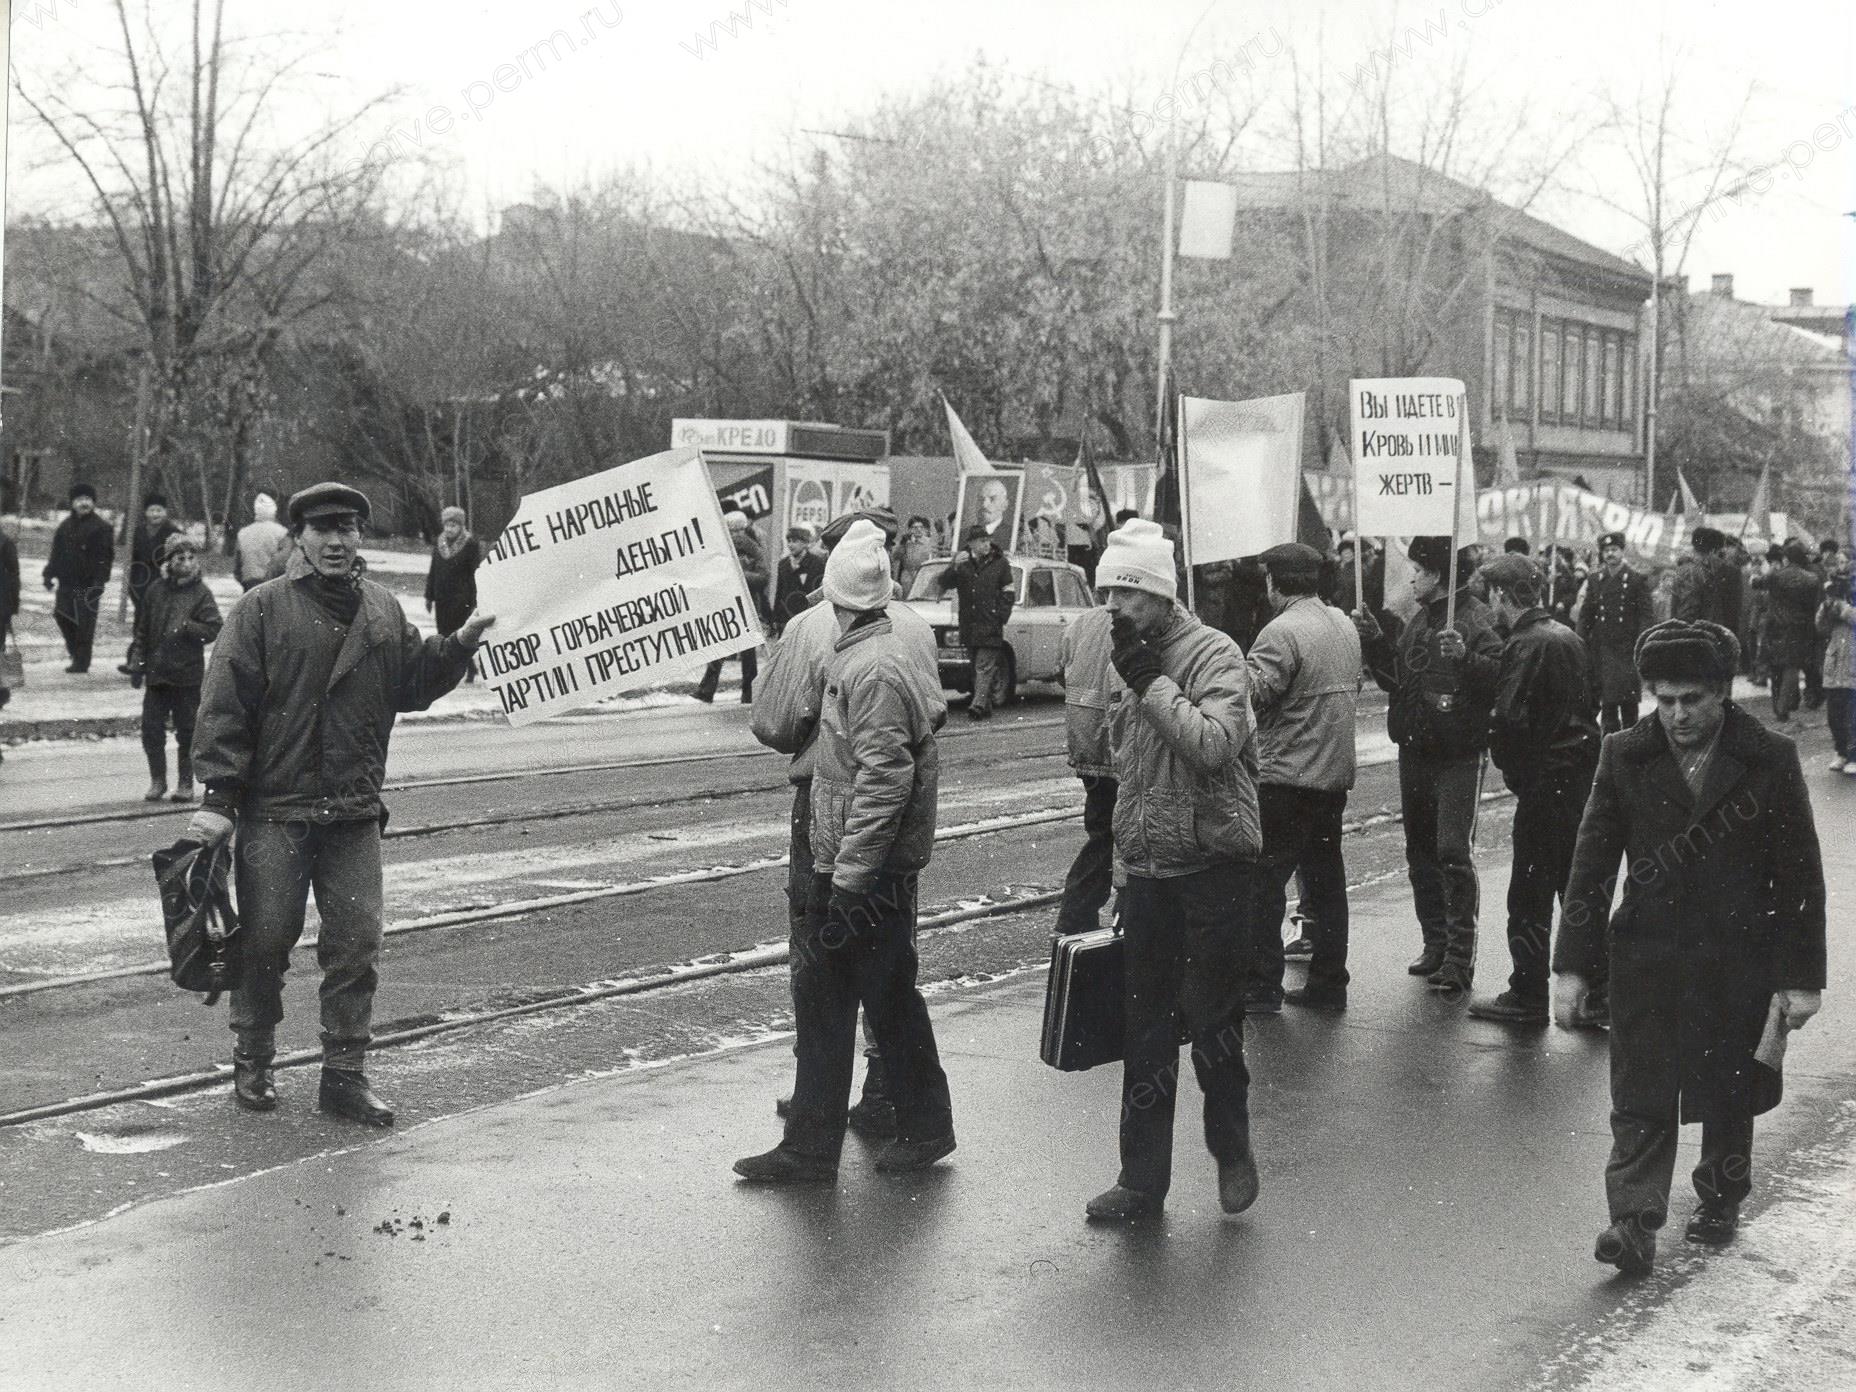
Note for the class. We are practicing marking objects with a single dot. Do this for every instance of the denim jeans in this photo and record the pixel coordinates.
(1439, 798)
(1092, 874)
(1185, 955)
(278, 863)
(838, 964)
(1301, 829)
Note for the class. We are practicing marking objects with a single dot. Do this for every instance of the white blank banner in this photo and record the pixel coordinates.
(1241, 475)
(1207, 220)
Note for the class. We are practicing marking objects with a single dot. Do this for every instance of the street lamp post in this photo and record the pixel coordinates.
(1166, 316)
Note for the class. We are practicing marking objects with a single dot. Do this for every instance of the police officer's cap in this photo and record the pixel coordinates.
(321, 500)
(1611, 539)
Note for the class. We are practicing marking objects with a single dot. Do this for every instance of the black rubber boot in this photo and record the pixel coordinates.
(345, 1093)
(252, 1087)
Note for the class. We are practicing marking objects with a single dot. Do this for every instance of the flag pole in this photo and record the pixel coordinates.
(1185, 501)
(1456, 510)
(1359, 566)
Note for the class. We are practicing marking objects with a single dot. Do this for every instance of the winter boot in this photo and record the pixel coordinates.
(345, 1093)
(252, 1087)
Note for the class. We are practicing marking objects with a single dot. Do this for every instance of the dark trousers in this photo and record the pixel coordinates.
(1643, 1163)
(1814, 674)
(1185, 956)
(1092, 874)
(1784, 692)
(1439, 798)
(1617, 715)
(161, 704)
(712, 674)
(75, 610)
(868, 958)
(1301, 830)
(1546, 827)
(1840, 716)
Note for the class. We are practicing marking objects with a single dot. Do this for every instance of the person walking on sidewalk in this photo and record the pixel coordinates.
(177, 618)
(754, 571)
(295, 716)
(1304, 689)
(259, 542)
(1613, 614)
(1719, 939)
(83, 552)
(1792, 593)
(1544, 739)
(1188, 832)
(146, 547)
(1439, 719)
(800, 572)
(982, 578)
(1085, 648)
(451, 578)
(874, 792)
(1836, 625)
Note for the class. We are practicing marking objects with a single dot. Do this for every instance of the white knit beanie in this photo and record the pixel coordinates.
(1138, 557)
(857, 571)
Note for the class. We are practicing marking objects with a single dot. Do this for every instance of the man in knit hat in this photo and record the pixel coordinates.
(1439, 719)
(1188, 833)
(259, 541)
(874, 790)
(1304, 688)
(1544, 740)
(1717, 947)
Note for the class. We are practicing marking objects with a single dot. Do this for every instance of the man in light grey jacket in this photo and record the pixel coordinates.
(1304, 687)
(1086, 644)
(874, 790)
(1188, 833)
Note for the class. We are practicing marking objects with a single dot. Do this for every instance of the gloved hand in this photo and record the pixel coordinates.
(208, 827)
(1451, 646)
(1798, 1006)
(847, 912)
(1569, 993)
(135, 680)
(1366, 626)
(1136, 660)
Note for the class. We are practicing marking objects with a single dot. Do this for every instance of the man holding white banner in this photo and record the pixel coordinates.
(616, 581)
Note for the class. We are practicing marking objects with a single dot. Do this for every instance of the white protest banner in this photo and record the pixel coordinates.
(610, 583)
(1241, 475)
(1407, 432)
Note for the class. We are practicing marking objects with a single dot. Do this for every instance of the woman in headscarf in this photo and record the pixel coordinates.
(451, 583)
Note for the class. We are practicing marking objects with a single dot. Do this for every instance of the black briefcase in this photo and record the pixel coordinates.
(1083, 1001)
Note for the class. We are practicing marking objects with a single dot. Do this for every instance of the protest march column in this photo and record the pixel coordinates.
(610, 583)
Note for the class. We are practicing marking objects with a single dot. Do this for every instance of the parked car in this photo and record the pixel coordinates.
(1050, 595)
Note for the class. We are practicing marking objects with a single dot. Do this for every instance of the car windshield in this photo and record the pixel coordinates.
(928, 580)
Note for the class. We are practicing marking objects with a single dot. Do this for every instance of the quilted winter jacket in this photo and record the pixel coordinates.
(278, 741)
(1186, 756)
(1305, 689)
(1086, 646)
(877, 771)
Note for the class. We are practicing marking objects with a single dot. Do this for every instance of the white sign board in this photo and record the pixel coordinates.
(610, 583)
(1241, 475)
(1408, 442)
(739, 436)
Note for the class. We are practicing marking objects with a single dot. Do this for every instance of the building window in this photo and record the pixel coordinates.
(1521, 379)
(1594, 360)
(1609, 387)
(1503, 337)
(1574, 350)
(1549, 370)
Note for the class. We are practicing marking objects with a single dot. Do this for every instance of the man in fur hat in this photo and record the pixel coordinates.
(1718, 942)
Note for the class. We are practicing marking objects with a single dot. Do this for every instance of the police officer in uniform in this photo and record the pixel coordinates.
(1616, 611)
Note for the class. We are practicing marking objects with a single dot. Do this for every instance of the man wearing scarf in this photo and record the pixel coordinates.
(1718, 946)
(298, 706)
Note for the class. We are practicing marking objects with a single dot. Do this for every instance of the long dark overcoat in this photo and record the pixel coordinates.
(1723, 904)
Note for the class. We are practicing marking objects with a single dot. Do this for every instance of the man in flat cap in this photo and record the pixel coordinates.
(1304, 692)
(1543, 738)
(1439, 719)
(291, 743)
(1719, 941)
(83, 552)
(1614, 613)
(983, 579)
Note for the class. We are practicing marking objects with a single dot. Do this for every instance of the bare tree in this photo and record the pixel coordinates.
(220, 220)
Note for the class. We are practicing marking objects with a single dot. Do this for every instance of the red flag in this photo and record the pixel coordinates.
(1166, 476)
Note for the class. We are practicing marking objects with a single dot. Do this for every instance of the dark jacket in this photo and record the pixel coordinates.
(793, 581)
(145, 555)
(1707, 587)
(83, 550)
(987, 592)
(1438, 708)
(1542, 720)
(753, 567)
(1723, 905)
(451, 584)
(172, 628)
(1616, 610)
(278, 739)
(9, 581)
(1792, 597)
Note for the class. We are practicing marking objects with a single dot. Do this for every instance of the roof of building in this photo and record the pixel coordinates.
(1382, 181)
